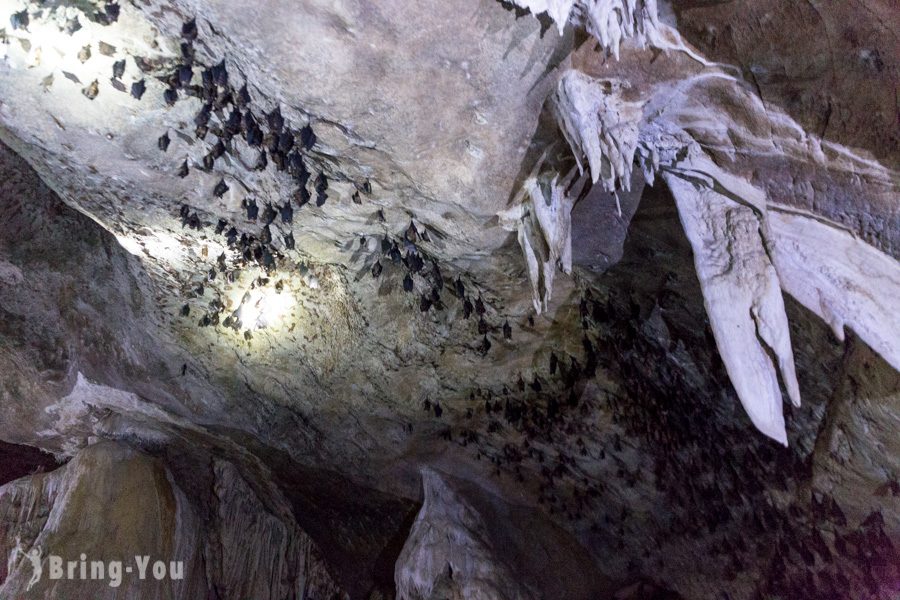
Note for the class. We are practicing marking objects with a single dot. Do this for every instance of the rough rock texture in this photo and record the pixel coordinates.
(454, 550)
(743, 298)
(256, 554)
(111, 503)
(586, 206)
(827, 65)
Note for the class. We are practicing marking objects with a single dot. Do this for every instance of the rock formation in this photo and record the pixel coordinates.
(371, 300)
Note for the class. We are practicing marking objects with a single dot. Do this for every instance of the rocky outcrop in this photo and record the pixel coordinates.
(114, 506)
(449, 553)
(254, 554)
(107, 504)
(465, 543)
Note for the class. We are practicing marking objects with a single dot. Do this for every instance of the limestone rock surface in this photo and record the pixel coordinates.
(529, 290)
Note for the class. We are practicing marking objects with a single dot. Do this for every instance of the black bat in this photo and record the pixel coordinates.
(220, 189)
(189, 30)
(138, 88)
(308, 137)
(170, 96)
(118, 69)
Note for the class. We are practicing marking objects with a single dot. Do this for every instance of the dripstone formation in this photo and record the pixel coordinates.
(576, 299)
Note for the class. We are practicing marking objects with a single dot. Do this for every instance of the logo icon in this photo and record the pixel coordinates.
(84, 569)
(33, 556)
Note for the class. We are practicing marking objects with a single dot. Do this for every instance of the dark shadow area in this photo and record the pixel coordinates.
(360, 531)
(384, 565)
(547, 557)
(718, 476)
(543, 18)
(545, 148)
(17, 460)
(599, 229)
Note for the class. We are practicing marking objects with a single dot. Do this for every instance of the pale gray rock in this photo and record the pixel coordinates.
(626, 457)
(112, 504)
(742, 295)
(845, 281)
(108, 504)
(457, 549)
(448, 553)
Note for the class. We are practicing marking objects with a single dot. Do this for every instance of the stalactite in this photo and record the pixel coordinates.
(844, 280)
(599, 126)
(543, 224)
(558, 10)
(609, 21)
(742, 263)
(742, 296)
(552, 210)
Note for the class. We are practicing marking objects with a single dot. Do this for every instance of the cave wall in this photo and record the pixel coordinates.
(579, 433)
